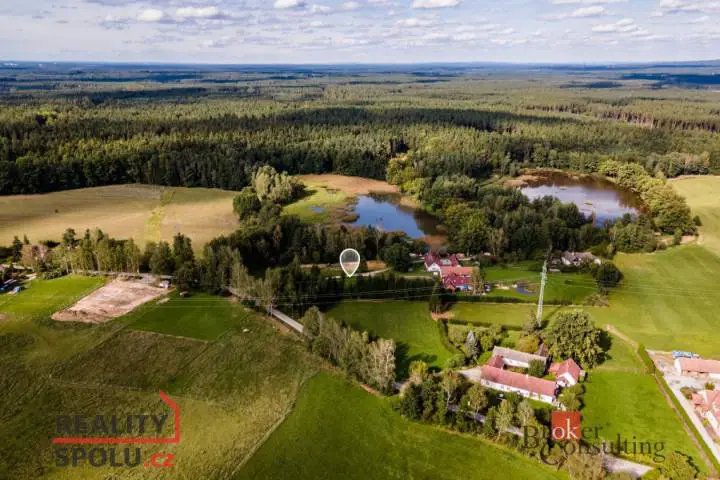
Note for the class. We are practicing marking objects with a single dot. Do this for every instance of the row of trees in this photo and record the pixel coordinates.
(669, 210)
(371, 361)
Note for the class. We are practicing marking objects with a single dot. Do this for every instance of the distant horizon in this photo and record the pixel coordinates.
(271, 32)
(698, 62)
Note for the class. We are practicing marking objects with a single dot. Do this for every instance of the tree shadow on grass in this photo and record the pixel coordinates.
(403, 360)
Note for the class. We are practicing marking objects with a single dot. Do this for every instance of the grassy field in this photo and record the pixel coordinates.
(701, 194)
(43, 298)
(668, 300)
(510, 314)
(572, 287)
(339, 431)
(143, 212)
(625, 401)
(200, 316)
(408, 323)
(231, 390)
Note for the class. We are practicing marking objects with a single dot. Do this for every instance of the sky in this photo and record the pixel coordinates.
(360, 31)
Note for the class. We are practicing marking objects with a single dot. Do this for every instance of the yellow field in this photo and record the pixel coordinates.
(142, 212)
(702, 194)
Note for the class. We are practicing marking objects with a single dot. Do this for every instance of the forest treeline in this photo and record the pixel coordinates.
(51, 143)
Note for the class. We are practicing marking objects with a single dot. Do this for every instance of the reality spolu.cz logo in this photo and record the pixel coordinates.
(116, 440)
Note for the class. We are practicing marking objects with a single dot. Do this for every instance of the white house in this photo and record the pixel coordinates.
(435, 263)
(578, 258)
(707, 404)
(507, 381)
(698, 367)
(515, 358)
(567, 373)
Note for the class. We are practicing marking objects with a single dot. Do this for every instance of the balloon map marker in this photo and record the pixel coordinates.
(349, 261)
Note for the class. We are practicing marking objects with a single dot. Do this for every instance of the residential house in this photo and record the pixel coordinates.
(456, 278)
(434, 262)
(567, 373)
(698, 367)
(707, 404)
(576, 259)
(515, 358)
(506, 381)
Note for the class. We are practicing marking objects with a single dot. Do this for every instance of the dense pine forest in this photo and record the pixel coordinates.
(73, 129)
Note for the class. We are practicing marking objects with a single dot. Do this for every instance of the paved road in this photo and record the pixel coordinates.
(294, 324)
(287, 320)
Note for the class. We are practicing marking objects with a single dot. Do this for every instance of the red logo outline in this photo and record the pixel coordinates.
(120, 440)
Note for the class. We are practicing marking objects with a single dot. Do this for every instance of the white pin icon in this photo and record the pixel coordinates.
(349, 261)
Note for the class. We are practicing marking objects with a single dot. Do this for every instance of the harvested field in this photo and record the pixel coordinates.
(111, 301)
(349, 185)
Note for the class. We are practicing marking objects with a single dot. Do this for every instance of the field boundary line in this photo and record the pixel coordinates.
(272, 429)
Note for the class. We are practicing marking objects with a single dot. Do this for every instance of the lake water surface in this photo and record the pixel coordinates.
(592, 195)
(385, 212)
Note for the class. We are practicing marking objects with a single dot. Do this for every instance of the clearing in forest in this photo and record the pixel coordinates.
(113, 300)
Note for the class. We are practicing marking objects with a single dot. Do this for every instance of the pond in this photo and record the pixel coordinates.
(387, 212)
(592, 195)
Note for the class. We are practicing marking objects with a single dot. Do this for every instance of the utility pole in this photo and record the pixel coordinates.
(543, 280)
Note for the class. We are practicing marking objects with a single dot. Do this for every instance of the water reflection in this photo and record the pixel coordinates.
(592, 195)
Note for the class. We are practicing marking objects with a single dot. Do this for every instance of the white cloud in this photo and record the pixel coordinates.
(150, 15)
(435, 3)
(625, 25)
(283, 4)
(350, 5)
(685, 6)
(582, 12)
(317, 8)
(414, 22)
(585, 2)
(192, 12)
(594, 11)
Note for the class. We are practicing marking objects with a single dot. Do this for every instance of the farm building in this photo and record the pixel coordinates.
(576, 259)
(698, 367)
(514, 358)
(506, 381)
(567, 373)
(707, 404)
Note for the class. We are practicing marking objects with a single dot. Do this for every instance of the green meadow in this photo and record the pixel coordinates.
(408, 323)
(622, 399)
(339, 431)
(668, 300)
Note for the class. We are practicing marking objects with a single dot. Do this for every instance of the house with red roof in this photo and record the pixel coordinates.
(698, 367)
(520, 383)
(707, 405)
(567, 373)
(434, 262)
(495, 376)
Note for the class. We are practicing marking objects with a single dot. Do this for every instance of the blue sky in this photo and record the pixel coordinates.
(365, 31)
